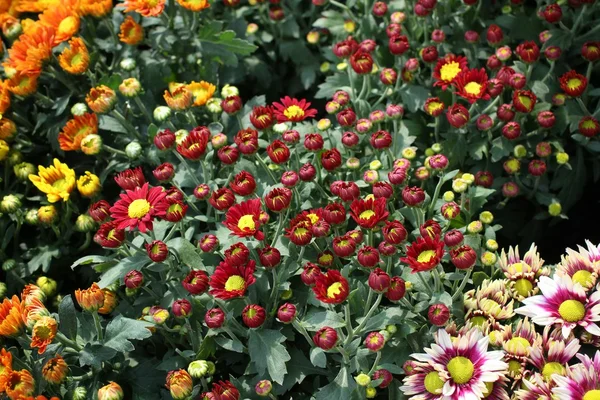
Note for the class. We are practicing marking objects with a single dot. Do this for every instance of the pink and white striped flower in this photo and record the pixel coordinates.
(553, 353)
(579, 267)
(463, 369)
(563, 303)
(579, 384)
(535, 387)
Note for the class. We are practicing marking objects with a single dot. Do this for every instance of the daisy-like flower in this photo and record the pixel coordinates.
(573, 83)
(228, 281)
(535, 387)
(424, 254)
(491, 301)
(579, 267)
(194, 145)
(131, 32)
(194, 5)
(201, 92)
(580, 384)
(517, 344)
(75, 58)
(553, 352)
(43, 333)
(563, 303)
(76, 129)
(293, 110)
(447, 69)
(523, 273)
(331, 288)
(146, 8)
(55, 370)
(30, 51)
(11, 322)
(243, 219)
(459, 368)
(138, 208)
(4, 96)
(57, 181)
(18, 384)
(23, 83)
(63, 19)
(101, 99)
(592, 252)
(178, 98)
(471, 84)
(368, 213)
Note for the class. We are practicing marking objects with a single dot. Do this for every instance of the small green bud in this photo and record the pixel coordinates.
(198, 368)
(128, 64)
(3, 289)
(554, 209)
(80, 393)
(10, 203)
(362, 379)
(79, 109)
(162, 113)
(9, 265)
(133, 150)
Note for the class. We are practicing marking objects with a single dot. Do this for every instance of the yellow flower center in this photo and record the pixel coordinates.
(367, 214)
(526, 101)
(235, 282)
(572, 310)
(59, 184)
(461, 369)
(574, 83)
(489, 386)
(583, 277)
(553, 368)
(300, 232)
(293, 111)
(67, 25)
(138, 208)
(449, 71)
(247, 223)
(523, 287)
(43, 332)
(473, 88)
(589, 124)
(514, 366)
(434, 106)
(478, 321)
(426, 256)
(314, 218)
(326, 258)
(517, 345)
(433, 383)
(152, 3)
(334, 290)
(592, 395)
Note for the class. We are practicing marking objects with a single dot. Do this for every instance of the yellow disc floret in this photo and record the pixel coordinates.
(572, 310)
(461, 369)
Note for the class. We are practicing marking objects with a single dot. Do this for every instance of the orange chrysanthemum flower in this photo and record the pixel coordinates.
(55, 370)
(91, 299)
(194, 5)
(101, 99)
(202, 92)
(75, 59)
(8, 8)
(131, 32)
(5, 364)
(23, 83)
(63, 19)
(95, 8)
(76, 129)
(4, 97)
(31, 292)
(33, 312)
(179, 98)
(18, 384)
(35, 6)
(31, 50)
(8, 129)
(146, 8)
(11, 323)
(43, 333)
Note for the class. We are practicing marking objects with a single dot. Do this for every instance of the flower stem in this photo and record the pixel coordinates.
(436, 194)
(377, 359)
(269, 172)
(98, 325)
(366, 319)
(187, 167)
(302, 331)
(582, 106)
(143, 108)
(459, 291)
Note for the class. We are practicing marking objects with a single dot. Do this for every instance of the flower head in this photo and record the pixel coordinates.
(11, 322)
(57, 181)
(293, 110)
(194, 145)
(101, 99)
(244, 219)
(471, 84)
(131, 32)
(201, 92)
(137, 208)
(76, 129)
(331, 288)
(573, 83)
(146, 8)
(368, 213)
(424, 254)
(230, 281)
(447, 69)
(194, 5)
(43, 333)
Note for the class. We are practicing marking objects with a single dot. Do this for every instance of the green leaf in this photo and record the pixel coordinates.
(187, 252)
(122, 268)
(332, 84)
(342, 388)
(121, 330)
(91, 260)
(267, 353)
(390, 316)
(108, 123)
(67, 317)
(318, 320)
(414, 97)
(223, 44)
(93, 355)
(318, 357)
(42, 259)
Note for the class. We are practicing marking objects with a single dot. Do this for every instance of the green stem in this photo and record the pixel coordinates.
(377, 359)
(126, 124)
(353, 90)
(98, 325)
(366, 319)
(143, 108)
(578, 20)
(266, 168)
(187, 167)
(583, 107)
(302, 331)
(113, 150)
(348, 319)
(425, 283)
(459, 291)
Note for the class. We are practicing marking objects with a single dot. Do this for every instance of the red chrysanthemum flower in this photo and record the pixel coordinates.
(573, 84)
(137, 208)
(130, 179)
(331, 288)
(194, 145)
(299, 232)
(447, 69)
(109, 235)
(229, 282)
(293, 110)
(368, 213)
(424, 254)
(243, 219)
(524, 101)
(471, 84)
(262, 117)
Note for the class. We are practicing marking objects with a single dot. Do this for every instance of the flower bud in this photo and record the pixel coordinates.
(128, 64)
(448, 196)
(562, 158)
(491, 245)
(475, 227)
(396, 289)
(379, 280)
(112, 391)
(362, 379)
(162, 113)
(48, 285)
(157, 251)
(325, 338)
(438, 314)
(182, 308)
(488, 259)
(554, 209)
(370, 392)
(47, 215)
(198, 369)
(9, 204)
(214, 318)
(486, 217)
(80, 393)
(374, 341)
(180, 384)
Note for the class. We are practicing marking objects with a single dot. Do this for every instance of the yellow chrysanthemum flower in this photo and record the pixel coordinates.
(57, 181)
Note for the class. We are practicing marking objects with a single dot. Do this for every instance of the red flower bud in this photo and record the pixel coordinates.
(325, 338)
(463, 257)
(367, 45)
(457, 115)
(413, 195)
(450, 210)
(573, 84)
(346, 117)
(348, 191)
(228, 155)
(253, 315)
(552, 13)
(484, 179)
(543, 149)
(380, 9)
(438, 36)
(164, 139)
(289, 179)
(438, 314)
(310, 273)
(134, 279)
(247, 141)
(494, 35)
(243, 184)
(334, 213)
(517, 81)
(430, 229)
(222, 199)
(484, 123)
(238, 254)
(493, 62)
(397, 176)
(343, 246)
(231, 104)
(164, 172)
(313, 142)
(591, 51)
(398, 44)
(99, 211)
(453, 238)
(341, 97)
(278, 152)
(382, 189)
(130, 179)
(393, 30)
(331, 159)
(157, 251)
(381, 140)
(524, 101)
(196, 282)
(214, 318)
(386, 249)
(269, 257)
(368, 257)
(345, 48)
(471, 36)
(361, 62)
(528, 52)
(202, 191)
(552, 53)
(182, 308)
(379, 280)
(374, 341)
(589, 126)
(537, 167)
(208, 243)
(511, 130)
(286, 313)
(262, 117)
(291, 136)
(350, 139)
(307, 172)
(546, 119)
(396, 289)
(388, 76)
(429, 54)
(386, 377)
